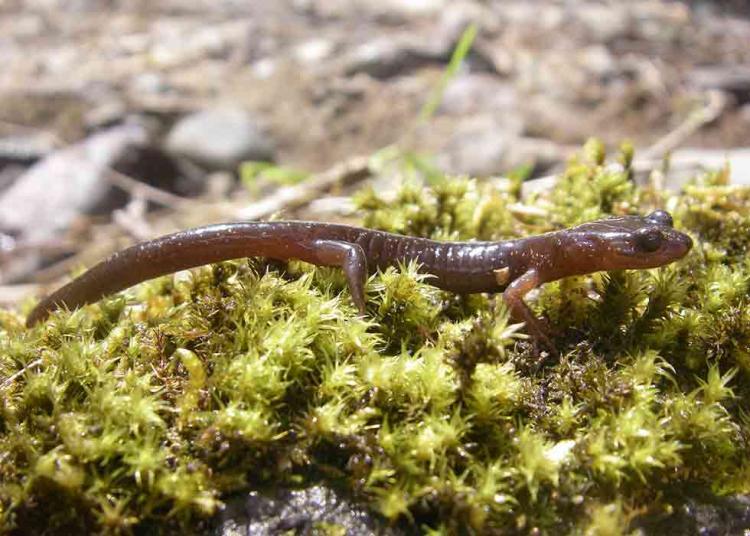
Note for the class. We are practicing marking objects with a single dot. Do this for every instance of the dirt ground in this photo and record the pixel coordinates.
(331, 78)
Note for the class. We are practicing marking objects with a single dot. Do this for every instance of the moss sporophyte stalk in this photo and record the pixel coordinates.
(147, 408)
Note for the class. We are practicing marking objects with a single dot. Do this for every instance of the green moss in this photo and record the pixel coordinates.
(147, 408)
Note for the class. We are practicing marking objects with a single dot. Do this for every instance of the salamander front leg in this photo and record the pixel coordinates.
(351, 258)
(513, 296)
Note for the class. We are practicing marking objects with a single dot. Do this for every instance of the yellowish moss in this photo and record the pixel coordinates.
(147, 408)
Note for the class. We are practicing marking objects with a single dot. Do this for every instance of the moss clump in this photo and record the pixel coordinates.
(147, 408)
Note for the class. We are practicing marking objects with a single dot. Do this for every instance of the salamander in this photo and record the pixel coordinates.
(512, 266)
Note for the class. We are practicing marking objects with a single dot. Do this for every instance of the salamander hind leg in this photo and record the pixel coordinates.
(351, 258)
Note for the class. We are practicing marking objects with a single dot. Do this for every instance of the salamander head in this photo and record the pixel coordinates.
(630, 242)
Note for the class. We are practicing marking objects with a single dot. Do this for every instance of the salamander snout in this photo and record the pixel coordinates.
(657, 245)
(680, 244)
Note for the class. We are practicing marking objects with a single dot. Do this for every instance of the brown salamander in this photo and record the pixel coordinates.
(513, 266)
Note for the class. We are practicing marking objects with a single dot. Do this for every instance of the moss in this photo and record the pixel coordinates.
(147, 408)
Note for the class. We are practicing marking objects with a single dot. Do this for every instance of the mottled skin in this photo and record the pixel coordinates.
(512, 266)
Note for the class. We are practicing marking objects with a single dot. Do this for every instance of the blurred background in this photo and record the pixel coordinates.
(120, 121)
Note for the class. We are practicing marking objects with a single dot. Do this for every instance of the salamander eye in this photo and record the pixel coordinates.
(649, 239)
(661, 217)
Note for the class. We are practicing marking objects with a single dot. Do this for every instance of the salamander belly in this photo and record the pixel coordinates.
(463, 268)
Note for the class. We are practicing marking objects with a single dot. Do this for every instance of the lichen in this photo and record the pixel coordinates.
(145, 409)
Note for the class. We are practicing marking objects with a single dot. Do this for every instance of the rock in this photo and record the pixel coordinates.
(598, 63)
(150, 83)
(686, 163)
(25, 149)
(9, 174)
(264, 69)
(699, 513)
(398, 11)
(478, 146)
(406, 9)
(220, 139)
(458, 15)
(471, 93)
(216, 40)
(483, 155)
(398, 53)
(297, 512)
(313, 51)
(151, 165)
(388, 57)
(65, 184)
(733, 79)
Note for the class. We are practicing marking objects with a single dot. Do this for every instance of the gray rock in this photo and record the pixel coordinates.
(483, 157)
(150, 83)
(9, 174)
(264, 68)
(297, 512)
(733, 79)
(457, 15)
(400, 53)
(686, 163)
(313, 51)
(478, 146)
(25, 149)
(68, 182)
(406, 9)
(696, 511)
(387, 57)
(390, 10)
(471, 93)
(220, 139)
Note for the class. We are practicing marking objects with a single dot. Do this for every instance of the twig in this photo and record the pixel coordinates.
(715, 105)
(132, 220)
(353, 170)
(146, 191)
(10, 379)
